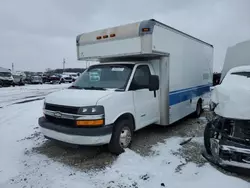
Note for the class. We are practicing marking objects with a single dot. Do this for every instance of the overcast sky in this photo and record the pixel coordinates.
(36, 35)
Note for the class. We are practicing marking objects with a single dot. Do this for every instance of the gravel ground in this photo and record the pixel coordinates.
(94, 158)
(86, 158)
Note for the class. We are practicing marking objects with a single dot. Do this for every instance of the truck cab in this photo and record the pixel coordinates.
(105, 95)
(134, 85)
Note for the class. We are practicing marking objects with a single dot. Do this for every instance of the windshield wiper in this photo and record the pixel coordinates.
(94, 88)
(75, 87)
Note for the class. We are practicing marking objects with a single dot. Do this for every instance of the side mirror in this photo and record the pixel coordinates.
(153, 83)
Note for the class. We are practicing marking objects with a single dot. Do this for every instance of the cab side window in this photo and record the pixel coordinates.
(141, 78)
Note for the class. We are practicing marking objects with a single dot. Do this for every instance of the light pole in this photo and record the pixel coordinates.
(64, 64)
(12, 67)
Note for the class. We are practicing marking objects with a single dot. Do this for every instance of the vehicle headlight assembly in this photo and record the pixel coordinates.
(91, 116)
(91, 110)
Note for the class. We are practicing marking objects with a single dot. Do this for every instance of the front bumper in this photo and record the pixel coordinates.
(229, 153)
(75, 135)
(7, 82)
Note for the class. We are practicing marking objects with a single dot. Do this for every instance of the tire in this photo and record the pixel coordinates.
(207, 135)
(198, 110)
(117, 145)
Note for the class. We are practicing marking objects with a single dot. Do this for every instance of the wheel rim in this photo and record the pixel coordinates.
(125, 137)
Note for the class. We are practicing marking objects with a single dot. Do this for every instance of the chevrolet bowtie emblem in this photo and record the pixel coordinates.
(57, 114)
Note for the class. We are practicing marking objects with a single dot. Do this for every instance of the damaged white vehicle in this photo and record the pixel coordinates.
(227, 134)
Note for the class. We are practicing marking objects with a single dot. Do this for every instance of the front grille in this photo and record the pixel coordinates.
(242, 129)
(60, 108)
(61, 121)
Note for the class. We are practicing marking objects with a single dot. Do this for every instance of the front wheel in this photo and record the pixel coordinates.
(121, 137)
(208, 133)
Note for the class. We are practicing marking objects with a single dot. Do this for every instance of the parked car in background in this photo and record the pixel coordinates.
(19, 78)
(6, 78)
(36, 80)
(66, 79)
(54, 79)
(46, 78)
(73, 75)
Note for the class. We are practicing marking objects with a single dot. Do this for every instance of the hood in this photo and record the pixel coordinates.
(237, 55)
(233, 100)
(76, 97)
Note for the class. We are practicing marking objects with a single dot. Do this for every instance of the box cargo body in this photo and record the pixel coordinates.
(149, 73)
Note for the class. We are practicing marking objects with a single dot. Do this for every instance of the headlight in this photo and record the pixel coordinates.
(91, 110)
(92, 116)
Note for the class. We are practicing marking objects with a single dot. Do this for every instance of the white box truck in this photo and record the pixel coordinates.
(149, 73)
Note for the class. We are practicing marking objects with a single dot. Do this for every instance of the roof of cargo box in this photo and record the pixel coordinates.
(126, 31)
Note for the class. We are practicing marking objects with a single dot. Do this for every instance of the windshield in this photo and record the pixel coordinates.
(5, 74)
(105, 76)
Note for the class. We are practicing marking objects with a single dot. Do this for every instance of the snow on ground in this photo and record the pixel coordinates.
(21, 167)
(11, 95)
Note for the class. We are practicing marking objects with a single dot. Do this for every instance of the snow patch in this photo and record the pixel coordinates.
(20, 167)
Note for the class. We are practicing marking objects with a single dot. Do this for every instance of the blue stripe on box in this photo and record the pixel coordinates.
(182, 95)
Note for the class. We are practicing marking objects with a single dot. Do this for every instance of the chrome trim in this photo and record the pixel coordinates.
(235, 149)
(72, 116)
(63, 115)
(234, 163)
(215, 147)
(246, 161)
(91, 117)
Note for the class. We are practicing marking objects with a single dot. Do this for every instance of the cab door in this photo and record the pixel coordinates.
(145, 102)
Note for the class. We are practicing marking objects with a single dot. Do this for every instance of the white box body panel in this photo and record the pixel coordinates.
(121, 47)
(190, 70)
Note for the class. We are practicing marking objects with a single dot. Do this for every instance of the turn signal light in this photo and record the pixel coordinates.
(99, 37)
(112, 35)
(145, 29)
(82, 123)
